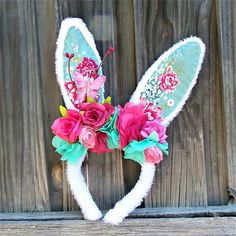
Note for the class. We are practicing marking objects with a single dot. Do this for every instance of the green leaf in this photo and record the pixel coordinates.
(110, 129)
(63, 111)
(70, 152)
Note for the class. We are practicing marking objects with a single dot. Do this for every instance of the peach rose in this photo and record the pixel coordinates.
(87, 137)
(153, 155)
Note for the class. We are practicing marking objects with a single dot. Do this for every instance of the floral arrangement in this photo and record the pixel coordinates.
(91, 123)
(97, 126)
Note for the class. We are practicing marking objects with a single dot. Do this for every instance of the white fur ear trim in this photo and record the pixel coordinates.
(134, 197)
(81, 193)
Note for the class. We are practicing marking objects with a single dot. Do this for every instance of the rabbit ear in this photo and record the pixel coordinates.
(74, 40)
(169, 81)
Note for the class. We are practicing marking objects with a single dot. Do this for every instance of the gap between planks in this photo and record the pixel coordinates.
(184, 212)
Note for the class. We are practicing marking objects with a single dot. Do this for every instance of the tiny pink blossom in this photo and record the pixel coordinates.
(170, 102)
(153, 155)
(87, 137)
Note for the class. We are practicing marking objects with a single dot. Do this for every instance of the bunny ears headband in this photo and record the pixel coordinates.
(90, 123)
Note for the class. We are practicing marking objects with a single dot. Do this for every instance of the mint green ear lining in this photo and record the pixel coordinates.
(77, 44)
(76, 41)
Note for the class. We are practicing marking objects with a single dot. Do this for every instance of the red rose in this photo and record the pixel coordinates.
(96, 114)
(69, 127)
(130, 121)
(88, 67)
(168, 81)
(101, 143)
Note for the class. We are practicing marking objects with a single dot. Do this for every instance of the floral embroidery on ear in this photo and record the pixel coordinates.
(168, 81)
(164, 83)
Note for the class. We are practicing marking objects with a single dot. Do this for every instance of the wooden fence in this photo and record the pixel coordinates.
(202, 160)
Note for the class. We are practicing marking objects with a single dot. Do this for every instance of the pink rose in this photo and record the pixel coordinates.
(87, 137)
(96, 114)
(101, 143)
(88, 67)
(74, 114)
(154, 125)
(168, 81)
(130, 121)
(153, 155)
(67, 128)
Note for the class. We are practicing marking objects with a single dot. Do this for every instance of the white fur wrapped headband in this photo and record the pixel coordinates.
(90, 123)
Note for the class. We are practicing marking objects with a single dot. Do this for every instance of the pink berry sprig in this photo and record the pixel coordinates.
(109, 51)
(69, 56)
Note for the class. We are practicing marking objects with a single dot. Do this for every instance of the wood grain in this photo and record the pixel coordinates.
(171, 226)
(227, 35)
(195, 171)
(23, 178)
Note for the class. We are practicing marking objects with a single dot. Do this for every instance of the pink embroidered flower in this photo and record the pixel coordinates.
(154, 125)
(101, 143)
(72, 92)
(88, 67)
(153, 155)
(87, 137)
(70, 86)
(153, 113)
(130, 121)
(67, 128)
(168, 81)
(96, 114)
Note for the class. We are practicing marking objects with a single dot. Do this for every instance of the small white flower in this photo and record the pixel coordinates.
(83, 52)
(170, 102)
(76, 48)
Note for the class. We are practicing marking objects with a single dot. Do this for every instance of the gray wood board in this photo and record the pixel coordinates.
(227, 35)
(170, 226)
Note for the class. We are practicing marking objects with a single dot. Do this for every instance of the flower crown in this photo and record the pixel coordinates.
(90, 123)
(98, 127)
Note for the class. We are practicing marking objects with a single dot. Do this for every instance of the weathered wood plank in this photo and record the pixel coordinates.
(23, 178)
(227, 37)
(195, 172)
(171, 226)
(126, 72)
(165, 212)
(51, 96)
